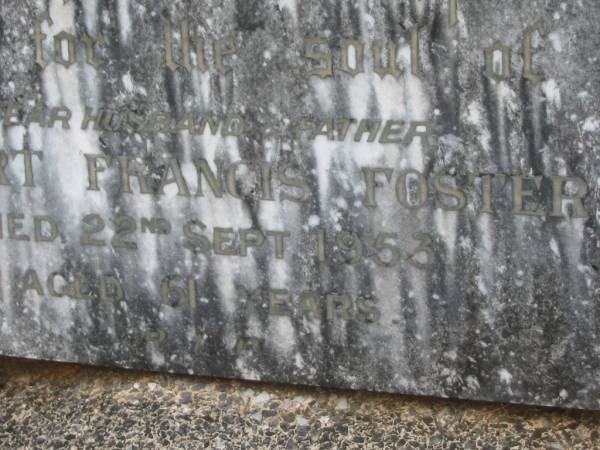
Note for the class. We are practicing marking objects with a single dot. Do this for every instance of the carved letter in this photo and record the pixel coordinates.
(359, 56)
(126, 174)
(27, 164)
(450, 191)
(14, 225)
(174, 167)
(453, 12)
(93, 169)
(39, 40)
(325, 70)
(558, 184)
(250, 238)
(110, 289)
(367, 126)
(529, 51)
(58, 50)
(491, 65)
(293, 182)
(90, 44)
(185, 47)
(45, 229)
(519, 194)
(415, 55)
(214, 180)
(60, 114)
(370, 174)
(31, 282)
(401, 189)
(224, 47)
(392, 62)
(3, 164)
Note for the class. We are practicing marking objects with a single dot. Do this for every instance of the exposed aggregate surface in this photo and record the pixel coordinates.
(52, 406)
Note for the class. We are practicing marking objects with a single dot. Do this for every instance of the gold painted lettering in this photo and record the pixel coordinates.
(59, 57)
(93, 169)
(415, 54)
(279, 239)
(366, 312)
(383, 246)
(214, 180)
(110, 289)
(185, 47)
(305, 124)
(198, 243)
(367, 126)
(210, 122)
(335, 301)
(425, 249)
(250, 239)
(111, 121)
(81, 288)
(486, 206)
(529, 51)
(234, 125)
(324, 69)
(173, 167)
(222, 237)
(250, 298)
(292, 182)
(127, 174)
(186, 123)
(358, 56)
(325, 128)
(90, 49)
(172, 294)
(453, 12)
(3, 165)
(520, 194)
(60, 114)
(45, 228)
(459, 197)
(224, 47)
(88, 117)
(417, 129)
(200, 54)
(278, 302)
(31, 282)
(370, 178)
(559, 184)
(498, 70)
(266, 181)
(11, 117)
(28, 164)
(231, 179)
(14, 225)
(390, 132)
(52, 287)
(36, 116)
(39, 39)
(345, 124)
(403, 191)
(309, 304)
(392, 61)
(351, 245)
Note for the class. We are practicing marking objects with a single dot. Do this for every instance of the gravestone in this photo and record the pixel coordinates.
(396, 196)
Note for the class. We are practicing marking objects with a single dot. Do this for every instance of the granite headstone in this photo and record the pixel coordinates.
(390, 195)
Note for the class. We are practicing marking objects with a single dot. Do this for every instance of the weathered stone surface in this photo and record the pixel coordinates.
(304, 259)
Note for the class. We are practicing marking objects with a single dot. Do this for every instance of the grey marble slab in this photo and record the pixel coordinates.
(395, 196)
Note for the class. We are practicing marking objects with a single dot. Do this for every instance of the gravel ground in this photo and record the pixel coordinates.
(51, 406)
